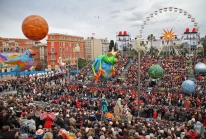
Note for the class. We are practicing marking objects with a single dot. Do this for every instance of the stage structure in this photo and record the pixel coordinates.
(123, 41)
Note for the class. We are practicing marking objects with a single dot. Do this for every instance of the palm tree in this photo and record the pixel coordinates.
(151, 37)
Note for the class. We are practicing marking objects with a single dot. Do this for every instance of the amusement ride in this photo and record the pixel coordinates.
(167, 26)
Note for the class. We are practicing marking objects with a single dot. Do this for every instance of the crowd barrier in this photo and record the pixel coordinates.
(21, 73)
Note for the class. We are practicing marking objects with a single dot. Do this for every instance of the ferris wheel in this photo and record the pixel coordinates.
(163, 21)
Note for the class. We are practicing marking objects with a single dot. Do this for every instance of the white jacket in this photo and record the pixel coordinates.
(31, 123)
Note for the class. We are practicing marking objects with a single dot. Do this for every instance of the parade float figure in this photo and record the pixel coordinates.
(66, 134)
(103, 66)
(137, 43)
(104, 105)
(22, 62)
(118, 109)
(49, 117)
(61, 64)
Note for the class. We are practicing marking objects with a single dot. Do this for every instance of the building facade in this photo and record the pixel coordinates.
(41, 55)
(62, 45)
(95, 47)
(18, 46)
(105, 46)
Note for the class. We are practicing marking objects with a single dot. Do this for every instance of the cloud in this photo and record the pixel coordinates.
(80, 17)
(131, 8)
(115, 11)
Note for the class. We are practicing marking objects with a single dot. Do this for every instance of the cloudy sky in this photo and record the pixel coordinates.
(103, 17)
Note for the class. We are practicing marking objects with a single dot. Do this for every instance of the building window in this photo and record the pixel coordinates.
(60, 49)
(52, 43)
(53, 63)
(52, 49)
(193, 36)
(52, 37)
(52, 56)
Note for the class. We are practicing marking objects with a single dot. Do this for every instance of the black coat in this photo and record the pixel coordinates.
(66, 121)
(60, 122)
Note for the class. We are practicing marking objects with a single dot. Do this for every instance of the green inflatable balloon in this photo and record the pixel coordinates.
(155, 71)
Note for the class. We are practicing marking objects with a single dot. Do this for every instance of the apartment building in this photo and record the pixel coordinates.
(95, 47)
(62, 45)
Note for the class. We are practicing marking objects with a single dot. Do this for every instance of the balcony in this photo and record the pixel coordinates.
(52, 53)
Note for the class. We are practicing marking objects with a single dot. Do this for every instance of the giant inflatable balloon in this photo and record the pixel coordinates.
(35, 27)
(103, 66)
(61, 64)
(22, 62)
(200, 68)
(188, 86)
(155, 71)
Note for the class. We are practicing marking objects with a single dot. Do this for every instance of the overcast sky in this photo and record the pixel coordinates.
(103, 17)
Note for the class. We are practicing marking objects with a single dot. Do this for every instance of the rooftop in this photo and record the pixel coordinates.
(65, 35)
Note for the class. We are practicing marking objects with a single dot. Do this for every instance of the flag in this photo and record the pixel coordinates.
(93, 33)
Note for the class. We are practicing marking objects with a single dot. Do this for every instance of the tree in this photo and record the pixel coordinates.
(116, 46)
(203, 42)
(111, 45)
(82, 63)
(133, 52)
(151, 37)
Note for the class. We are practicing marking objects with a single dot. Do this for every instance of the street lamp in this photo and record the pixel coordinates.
(68, 70)
(139, 48)
(77, 50)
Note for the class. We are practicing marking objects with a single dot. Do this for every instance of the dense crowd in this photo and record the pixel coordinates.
(43, 107)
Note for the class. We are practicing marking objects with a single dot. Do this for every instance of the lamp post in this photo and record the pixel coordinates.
(139, 49)
(77, 50)
(68, 70)
(139, 53)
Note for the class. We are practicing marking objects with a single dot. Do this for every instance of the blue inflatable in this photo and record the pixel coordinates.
(188, 87)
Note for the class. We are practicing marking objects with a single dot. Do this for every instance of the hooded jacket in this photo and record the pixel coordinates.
(192, 135)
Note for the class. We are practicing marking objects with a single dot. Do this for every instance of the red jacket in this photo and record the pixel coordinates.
(192, 135)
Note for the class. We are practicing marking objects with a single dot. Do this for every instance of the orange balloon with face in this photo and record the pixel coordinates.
(35, 27)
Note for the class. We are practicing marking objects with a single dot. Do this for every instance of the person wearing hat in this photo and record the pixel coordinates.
(49, 117)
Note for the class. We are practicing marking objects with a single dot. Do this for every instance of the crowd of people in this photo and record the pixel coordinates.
(54, 108)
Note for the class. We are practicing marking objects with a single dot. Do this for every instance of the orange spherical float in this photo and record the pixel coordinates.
(35, 27)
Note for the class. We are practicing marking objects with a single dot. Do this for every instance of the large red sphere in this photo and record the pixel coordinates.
(35, 27)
